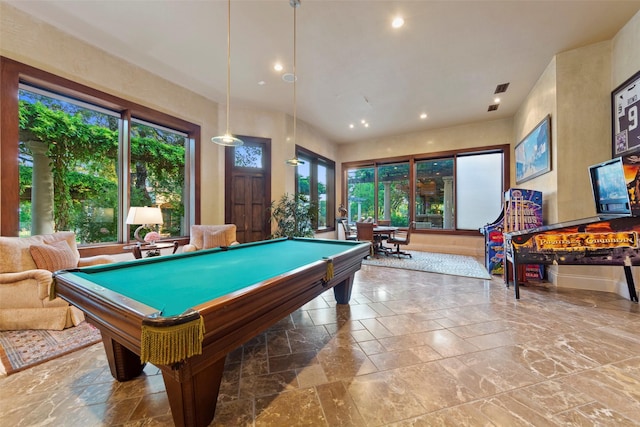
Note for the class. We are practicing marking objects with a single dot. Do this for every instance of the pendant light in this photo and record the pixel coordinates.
(227, 139)
(294, 161)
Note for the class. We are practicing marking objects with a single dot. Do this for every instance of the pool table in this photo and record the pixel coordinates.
(185, 312)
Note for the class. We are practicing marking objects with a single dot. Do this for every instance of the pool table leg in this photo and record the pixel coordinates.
(342, 291)
(193, 397)
(124, 363)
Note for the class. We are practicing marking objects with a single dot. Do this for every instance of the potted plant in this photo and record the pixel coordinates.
(294, 216)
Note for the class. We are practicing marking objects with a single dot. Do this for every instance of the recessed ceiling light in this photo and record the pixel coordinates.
(363, 121)
(496, 100)
(366, 125)
(262, 83)
(278, 66)
(350, 125)
(397, 22)
(423, 116)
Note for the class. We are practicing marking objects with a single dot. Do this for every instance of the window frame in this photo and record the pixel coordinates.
(504, 149)
(12, 73)
(330, 165)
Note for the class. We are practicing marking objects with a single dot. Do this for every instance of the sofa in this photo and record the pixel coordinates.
(26, 268)
(211, 236)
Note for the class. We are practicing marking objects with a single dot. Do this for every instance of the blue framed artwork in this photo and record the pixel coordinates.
(533, 153)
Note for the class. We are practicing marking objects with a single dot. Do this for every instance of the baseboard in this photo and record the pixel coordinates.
(570, 279)
(448, 249)
(472, 246)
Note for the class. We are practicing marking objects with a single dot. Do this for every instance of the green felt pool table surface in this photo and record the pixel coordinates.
(173, 284)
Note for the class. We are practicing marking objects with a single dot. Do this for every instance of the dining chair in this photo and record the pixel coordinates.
(401, 239)
(348, 235)
(364, 231)
(366, 234)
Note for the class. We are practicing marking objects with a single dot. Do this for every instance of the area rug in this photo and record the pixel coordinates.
(456, 265)
(20, 350)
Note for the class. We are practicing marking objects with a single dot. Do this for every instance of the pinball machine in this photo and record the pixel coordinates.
(522, 210)
(609, 238)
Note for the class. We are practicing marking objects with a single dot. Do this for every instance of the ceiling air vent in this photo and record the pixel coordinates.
(493, 107)
(501, 88)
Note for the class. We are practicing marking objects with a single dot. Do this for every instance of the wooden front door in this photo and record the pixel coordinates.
(248, 188)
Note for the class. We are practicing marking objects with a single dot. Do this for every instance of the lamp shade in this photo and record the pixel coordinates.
(144, 215)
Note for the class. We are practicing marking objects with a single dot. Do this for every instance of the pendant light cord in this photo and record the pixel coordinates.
(295, 161)
(295, 76)
(227, 139)
(228, 60)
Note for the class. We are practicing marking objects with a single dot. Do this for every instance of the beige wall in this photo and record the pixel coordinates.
(576, 90)
(49, 49)
(625, 56)
(584, 125)
(540, 102)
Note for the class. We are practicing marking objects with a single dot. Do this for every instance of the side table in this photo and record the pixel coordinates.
(152, 250)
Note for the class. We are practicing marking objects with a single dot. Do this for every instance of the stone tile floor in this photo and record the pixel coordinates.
(412, 349)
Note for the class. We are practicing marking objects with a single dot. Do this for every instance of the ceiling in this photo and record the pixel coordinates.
(445, 61)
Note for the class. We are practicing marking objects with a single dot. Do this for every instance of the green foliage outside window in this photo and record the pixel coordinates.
(82, 149)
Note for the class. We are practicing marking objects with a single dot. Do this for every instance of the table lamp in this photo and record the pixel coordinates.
(144, 216)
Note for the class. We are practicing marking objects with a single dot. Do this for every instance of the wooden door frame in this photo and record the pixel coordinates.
(266, 170)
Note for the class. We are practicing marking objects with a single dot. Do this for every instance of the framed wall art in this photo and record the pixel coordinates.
(533, 153)
(625, 115)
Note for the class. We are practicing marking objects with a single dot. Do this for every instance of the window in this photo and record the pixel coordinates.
(315, 179)
(480, 188)
(83, 157)
(434, 193)
(322, 173)
(303, 179)
(360, 193)
(393, 193)
(68, 157)
(158, 173)
(457, 191)
(249, 156)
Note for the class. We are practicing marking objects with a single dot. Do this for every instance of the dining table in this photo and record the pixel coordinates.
(379, 233)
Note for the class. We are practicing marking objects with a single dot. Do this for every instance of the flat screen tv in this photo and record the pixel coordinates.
(610, 188)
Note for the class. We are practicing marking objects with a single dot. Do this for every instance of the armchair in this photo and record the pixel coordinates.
(211, 236)
(26, 267)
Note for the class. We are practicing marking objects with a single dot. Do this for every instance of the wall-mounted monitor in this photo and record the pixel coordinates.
(609, 186)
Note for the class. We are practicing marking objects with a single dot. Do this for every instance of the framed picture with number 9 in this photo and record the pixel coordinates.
(625, 114)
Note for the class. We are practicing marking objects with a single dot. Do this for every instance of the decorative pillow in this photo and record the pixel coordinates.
(214, 239)
(54, 256)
